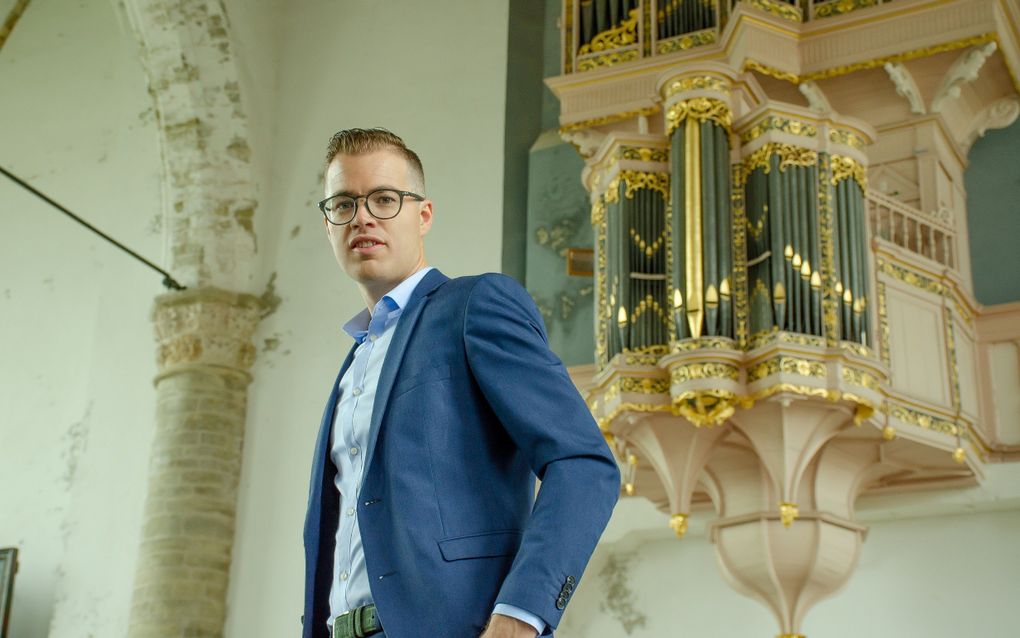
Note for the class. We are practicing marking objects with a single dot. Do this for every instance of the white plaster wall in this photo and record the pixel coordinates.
(76, 394)
(434, 73)
(936, 576)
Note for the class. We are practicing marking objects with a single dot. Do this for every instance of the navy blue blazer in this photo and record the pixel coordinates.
(471, 406)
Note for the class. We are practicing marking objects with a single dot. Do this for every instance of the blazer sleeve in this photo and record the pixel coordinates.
(530, 391)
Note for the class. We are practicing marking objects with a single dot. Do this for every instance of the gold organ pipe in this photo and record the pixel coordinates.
(692, 190)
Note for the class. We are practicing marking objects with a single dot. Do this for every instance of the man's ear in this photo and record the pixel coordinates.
(425, 217)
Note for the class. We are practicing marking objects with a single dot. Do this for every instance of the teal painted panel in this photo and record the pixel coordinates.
(993, 215)
(558, 219)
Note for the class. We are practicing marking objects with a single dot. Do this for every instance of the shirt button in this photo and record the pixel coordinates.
(373, 337)
(350, 511)
(357, 391)
(344, 576)
(354, 451)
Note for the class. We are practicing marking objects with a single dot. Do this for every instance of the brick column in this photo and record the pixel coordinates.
(204, 354)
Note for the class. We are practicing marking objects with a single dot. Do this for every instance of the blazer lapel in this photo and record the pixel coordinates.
(395, 354)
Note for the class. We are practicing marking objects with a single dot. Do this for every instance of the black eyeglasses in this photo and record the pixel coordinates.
(382, 203)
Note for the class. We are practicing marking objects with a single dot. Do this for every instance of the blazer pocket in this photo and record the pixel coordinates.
(435, 373)
(502, 543)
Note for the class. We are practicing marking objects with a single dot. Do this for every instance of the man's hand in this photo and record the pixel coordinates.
(501, 626)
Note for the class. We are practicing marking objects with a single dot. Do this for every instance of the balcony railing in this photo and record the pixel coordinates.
(602, 33)
(931, 236)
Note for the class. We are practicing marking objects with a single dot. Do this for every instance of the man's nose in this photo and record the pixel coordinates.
(361, 215)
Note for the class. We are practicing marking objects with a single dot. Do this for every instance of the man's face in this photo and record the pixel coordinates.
(377, 253)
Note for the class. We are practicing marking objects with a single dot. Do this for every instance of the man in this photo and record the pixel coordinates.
(422, 520)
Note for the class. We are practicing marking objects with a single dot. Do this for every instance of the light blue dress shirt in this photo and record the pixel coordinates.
(372, 331)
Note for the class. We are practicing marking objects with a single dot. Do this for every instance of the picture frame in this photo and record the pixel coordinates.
(8, 568)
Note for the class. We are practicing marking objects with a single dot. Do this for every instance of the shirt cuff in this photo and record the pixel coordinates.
(504, 609)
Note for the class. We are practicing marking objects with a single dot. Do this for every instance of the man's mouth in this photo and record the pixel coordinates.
(365, 244)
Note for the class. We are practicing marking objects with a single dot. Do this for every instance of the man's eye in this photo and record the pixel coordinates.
(343, 206)
(385, 199)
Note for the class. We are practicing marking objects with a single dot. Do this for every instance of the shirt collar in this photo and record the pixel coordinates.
(386, 309)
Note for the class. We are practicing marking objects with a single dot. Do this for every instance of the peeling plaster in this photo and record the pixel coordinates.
(76, 439)
(269, 299)
(619, 598)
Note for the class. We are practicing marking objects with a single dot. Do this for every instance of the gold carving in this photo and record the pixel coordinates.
(699, 109)
(910, 277)
(773, 334)
(846, 138)
(608, 119)
(954, 373)
(643, 385)
(649, 357)
(643, 154)
(900, 57)
(706, 408)
(695, 83)
(830, 300)
(781, 124)
(959, 455)
(693, 269)
(861, 378)
(839, 7)
(703, 370)
(888, 433)
(788, 156)
(883, 323)
(754, 65)
(923, 419)
(678, 523)
(786, 365)
(788, 513)
(740, 301)
(844, 167)
(648, 248)
(631, 407)
(622, 35)
(634, 180)
(778, 8)
(686, 41)
(609, 59)
(720, 343)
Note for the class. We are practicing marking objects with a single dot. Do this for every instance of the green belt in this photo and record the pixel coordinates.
(357, 623)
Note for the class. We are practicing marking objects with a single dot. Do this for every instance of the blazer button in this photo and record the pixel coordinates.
(561, 604)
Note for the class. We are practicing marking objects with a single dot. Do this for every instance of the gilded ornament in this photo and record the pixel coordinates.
(609, 59)
(883, 323)
(697, 83)
(844, 167)
(649, 358)
(634, 180)
(888, 433)
(954, 373)
(608, 119)
(789, 155)
(643, 385)
(778, 8)
(703, 370)
(923, 419)
(786, 365)
(862, 413)
(910, 277)
(699, 109)
(678, 523)
(901, 57)
(606, 420)
(629, 489)
(740, 300)
(788, 513)
(959, 455)
(754, 65)
(861, 378)
(781, 124)
(718, 343)
(830, 302)
(624, 34)
(839, 7)
(685, 42)
(643, 154)
(706, 408)
(846, 138)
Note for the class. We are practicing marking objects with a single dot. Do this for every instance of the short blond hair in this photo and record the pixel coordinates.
(358, 141)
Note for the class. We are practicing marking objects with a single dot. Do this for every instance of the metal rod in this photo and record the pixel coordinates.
(168, 279)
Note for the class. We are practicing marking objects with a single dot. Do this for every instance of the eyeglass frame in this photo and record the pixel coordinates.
(403, 194)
